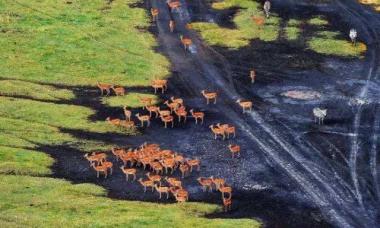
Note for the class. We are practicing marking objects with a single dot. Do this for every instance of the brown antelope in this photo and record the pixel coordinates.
(164, 113)
(154, 12)
(252, 76)
(172, 106)
(180, 194)
(162, 82)
(127, 113)
(184, 168)
(161, 190)
(153, 109)
(118, 152)
(234, 149)
(157, 87)
(118, 90)
(178, 159)
(217, 131)
(167, 119)
(206, 183)
(177, 100)
(127, 124)
(154, 177)
(194, 162)
(104, 87)
(245, 105)
(115, 121)
(157, 167)
(168, 164)
(227, 202)
(108, 165)
(197, 115)
(146, 184)
(129, 171)
(97, 158)
(174, 182)
(143, 119)
(186, 42)
(145, 101)
(181, 112)
(228, 129)
(145, 161)
(260, 21)
(209, 96)
(171, 25)
(218, 182)
(100, 169)
(128, 157)
(224, 190)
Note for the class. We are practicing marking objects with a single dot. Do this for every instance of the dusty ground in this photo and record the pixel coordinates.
(292, 173)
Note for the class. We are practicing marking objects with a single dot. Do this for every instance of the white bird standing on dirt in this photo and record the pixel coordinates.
(267, 6)
(353, 36)
(319, 114)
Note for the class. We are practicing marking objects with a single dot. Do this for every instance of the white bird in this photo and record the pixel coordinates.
(267, 6)
(353, 35)
(319, 114)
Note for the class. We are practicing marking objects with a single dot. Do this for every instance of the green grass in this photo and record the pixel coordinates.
(46, 202)
(130, 100)
(248, 31)
(49, 42)
(326, 43)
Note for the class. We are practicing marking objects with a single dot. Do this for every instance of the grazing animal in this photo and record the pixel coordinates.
(225, 190)
(171, 25)
(154, 12)
(100, 169)
(181, 112)
(246, 105)
(217, 131)
(146, 184)
(129, 171)
(319, 114)
(267, 6)
(127, 113)
(118, 90)
(143, 119)
(174, 182)
(186, 42)
(145, 101)
(96, 158)
(164, 113)
(209, 96)
(118, 152)
(218, 182)
(228, 129)
(194, 162)
(167, 119)
(172, 106)
(184, 168)
(197, 115)
(252, 76)
(177, 100)
(108, 165)
(206, 183)
(259, 21)
(154, 177)
(104, 87)
(115, 121)
(157, 87)
(227, 203)
(153, 109)
(161, 190)
(234, 149)
(353, 35)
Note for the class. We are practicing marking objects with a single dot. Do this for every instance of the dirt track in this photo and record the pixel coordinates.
(291, 173)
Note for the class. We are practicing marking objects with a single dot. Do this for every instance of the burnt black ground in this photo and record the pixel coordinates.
(271, 182)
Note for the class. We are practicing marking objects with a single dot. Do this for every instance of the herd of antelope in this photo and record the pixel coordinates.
(159, 164)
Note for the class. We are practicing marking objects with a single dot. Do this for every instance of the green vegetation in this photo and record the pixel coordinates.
(130, 100)
(45, 202)
(374, 3)
(327, 43)
(49, 49)
(247, 30)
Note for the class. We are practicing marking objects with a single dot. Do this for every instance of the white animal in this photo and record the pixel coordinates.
(319, 114)
(353, 35)
(267, 6)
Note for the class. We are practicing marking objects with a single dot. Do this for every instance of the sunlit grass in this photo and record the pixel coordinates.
(326, 43)
(247, 31)
(374, 3)
(45, 202)
(130, 100)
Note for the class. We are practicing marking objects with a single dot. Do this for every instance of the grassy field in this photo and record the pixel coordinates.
(374, 3)
(247, 31)
(50, 50)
